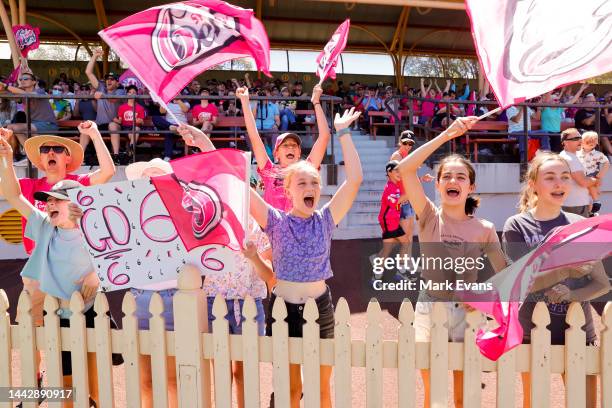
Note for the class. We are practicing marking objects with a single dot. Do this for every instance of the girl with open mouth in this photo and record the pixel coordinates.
(449, 229)
(301, 244)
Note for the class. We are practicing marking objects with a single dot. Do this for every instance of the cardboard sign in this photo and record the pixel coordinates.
(132, 240)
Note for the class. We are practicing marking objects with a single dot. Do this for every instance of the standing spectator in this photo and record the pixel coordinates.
(302, 104)
(106, 108)
(516, 125)
(84, 108)
(595, 163)
(125, 117)
(552, 117)
(61, 107)
(178, 108)
(428, 108)
(578, 200)
(41, 115)
(205, 114)
(287, 111)
(585, 117)
(194, 87)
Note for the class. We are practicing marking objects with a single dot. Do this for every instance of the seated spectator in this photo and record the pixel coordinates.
(84, 108)
(178, 108)
(106, 109)
(41, 114)
(441, 119)
(8, 109)
(267, 118)
(194, 87)
(125, 117)
(287, 111)
(232, 106)
(516, 125)
(302, 104)
(68, 89)
(61, 107)
(371, 102)
(205, 114)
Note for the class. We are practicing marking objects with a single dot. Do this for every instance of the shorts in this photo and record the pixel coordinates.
(235, 317)
(44, 127)
(295, 319)
(143, 299)
(399, 232)
(422, 321)
(117, 359)
(406, 211)
(127, 128)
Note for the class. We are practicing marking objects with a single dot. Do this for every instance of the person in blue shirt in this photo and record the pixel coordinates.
(267, 118)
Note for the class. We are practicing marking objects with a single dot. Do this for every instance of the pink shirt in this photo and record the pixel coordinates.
(205, 114)
(427, 108)
(274, 190)
(29, 186)
(126, 114)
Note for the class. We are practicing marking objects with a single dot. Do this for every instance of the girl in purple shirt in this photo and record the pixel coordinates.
(301, 242)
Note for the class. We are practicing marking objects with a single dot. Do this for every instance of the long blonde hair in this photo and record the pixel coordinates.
(529, 198)
(300, 166)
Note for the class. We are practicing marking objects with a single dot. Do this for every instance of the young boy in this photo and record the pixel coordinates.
(59, 264)
(595, 163)
(125, 116)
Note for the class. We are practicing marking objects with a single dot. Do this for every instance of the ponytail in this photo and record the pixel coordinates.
(471, 204)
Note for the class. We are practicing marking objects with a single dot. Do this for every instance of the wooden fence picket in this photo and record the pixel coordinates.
(78, 349)
(223, 363)
(311, 355)
(506, 380)
(605, 358)
(131, 351)
(6, 354)
(159, 350)
(575, 358)
(374, 356)
(250, 354)
(280, 356)
(540, 357)
(472, 378)
(104, 352)
(406, 357)
(28, 352)
(438, 356)
(342, 356)
(53, 346)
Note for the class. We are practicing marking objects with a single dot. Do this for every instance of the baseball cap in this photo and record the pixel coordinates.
(407, 136)
(111, 75)
(59, 190)
(392, 165)
(280, 139)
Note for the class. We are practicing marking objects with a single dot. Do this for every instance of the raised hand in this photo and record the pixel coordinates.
(191, 135)
(317, 91)
(460, 126)
(6, 151)
(90, 283)
(250, 250)
(347, 118)
(98, 52)
(242, 93)
(427, 178)
(74, 212)
(6, 134)
(89, 128)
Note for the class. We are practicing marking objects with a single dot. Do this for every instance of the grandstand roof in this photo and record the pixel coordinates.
(439, 27)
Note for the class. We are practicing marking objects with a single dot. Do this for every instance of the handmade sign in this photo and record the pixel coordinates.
(132, 239)
(27, 38)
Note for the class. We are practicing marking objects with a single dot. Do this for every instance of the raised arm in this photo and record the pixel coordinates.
(342, 200)
(9, 182)
(320, 147)
(424, 90)
(447, 87)
(258, 209)
(195, 137)
(247, 80)
(409, 166)
(107, 166)
(89, 70)
(575, 98)
(259, 149)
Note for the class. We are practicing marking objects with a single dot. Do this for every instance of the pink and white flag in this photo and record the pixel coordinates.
(167, 46)
(129, 78)
(525, 52)
(328, 58)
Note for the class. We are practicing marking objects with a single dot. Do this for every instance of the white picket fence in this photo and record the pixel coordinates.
(194, 348)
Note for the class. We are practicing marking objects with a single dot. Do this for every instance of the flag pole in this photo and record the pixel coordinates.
(159, 100)
(493, 112)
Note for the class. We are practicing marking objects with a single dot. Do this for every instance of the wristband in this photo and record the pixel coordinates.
(343, 131)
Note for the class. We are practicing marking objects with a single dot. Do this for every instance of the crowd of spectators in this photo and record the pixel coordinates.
(116, 116)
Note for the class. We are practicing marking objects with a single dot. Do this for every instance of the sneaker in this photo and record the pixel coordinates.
(596, 207)
(372, 258)
(144, 144)
(21, 163)
(167, 159)
(232, 145)
(116, 159)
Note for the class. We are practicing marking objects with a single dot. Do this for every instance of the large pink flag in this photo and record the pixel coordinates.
(167, 46)
(328, 58)
(207, 197)
(525, 52)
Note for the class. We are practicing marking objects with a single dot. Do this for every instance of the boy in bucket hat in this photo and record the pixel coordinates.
(58, 157)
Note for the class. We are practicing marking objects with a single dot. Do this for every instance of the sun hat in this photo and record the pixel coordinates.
(32, 149)
(134, 171)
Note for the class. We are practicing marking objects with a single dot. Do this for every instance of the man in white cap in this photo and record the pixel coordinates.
(58, 157)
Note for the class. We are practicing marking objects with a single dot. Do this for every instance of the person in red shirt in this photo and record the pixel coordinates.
(125, 116)
(205, 114)
(57, 157)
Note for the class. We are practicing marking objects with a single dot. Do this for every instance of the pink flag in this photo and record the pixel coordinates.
(581, 243)
(27, 38)
(167, 46)
(129, 78)
(328, 58)
(207, 197)
(525, 52)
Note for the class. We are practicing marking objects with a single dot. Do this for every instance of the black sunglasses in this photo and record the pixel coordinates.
(573, 139)
(26, 79)
(407, 142)
(56, 149)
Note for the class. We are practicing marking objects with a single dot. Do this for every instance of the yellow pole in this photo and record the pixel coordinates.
(9, 34)
(22, 12)
(14, 12)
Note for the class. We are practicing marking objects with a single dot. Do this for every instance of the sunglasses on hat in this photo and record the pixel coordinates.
(56, 149)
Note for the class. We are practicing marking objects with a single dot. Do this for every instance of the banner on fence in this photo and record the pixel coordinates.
(132, 239)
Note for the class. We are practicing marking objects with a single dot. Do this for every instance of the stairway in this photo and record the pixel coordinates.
(362, 219)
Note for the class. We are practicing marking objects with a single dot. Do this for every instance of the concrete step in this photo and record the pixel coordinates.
(360, 217)
(369, 195)
(370, 206)
(377, 185)
(367, 231)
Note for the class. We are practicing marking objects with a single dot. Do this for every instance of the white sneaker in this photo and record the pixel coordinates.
(167, 159)
(21, 163)
(372, 258)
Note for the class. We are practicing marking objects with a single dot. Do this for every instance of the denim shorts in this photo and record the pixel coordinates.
(234, 313)
(143, 299)
(44, 127)
(406, 211)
